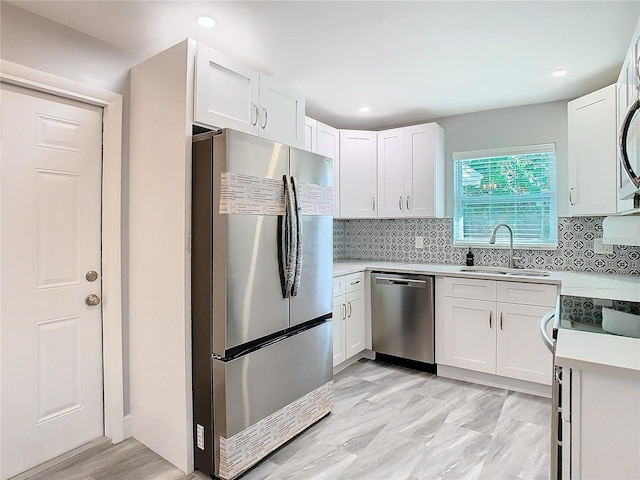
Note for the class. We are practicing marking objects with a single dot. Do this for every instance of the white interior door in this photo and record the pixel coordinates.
(50, 340)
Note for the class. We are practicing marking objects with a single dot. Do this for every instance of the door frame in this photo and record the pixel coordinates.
(111, 104)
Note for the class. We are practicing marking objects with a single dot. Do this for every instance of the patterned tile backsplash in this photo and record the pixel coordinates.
(393, 240)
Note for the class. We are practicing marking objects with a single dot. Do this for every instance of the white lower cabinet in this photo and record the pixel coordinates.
(600, 423)
(348, 316)
(469, 340)
(339, 317)
(493, 327)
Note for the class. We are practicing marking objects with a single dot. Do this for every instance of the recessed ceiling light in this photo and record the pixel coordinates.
(365, 109)
(205, 21)
(559, 73)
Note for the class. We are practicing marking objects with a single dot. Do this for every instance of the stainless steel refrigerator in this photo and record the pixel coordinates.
(261, 299)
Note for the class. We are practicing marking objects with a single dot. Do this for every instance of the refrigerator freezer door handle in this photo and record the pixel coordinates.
(290, 234)
(297, 220)
(282, 256)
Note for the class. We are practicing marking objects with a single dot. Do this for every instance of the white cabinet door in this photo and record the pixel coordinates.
(391, 173)
(328, 144)
(354, 331)
(281, 116)
(469, 334)
(310, 134)
(593, 162)
(226, 92)
(520, 352)
(358, 174)
(605, 423)
(338, 325)
(424, 171)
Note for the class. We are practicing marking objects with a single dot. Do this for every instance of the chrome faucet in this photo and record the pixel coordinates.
(492, 240)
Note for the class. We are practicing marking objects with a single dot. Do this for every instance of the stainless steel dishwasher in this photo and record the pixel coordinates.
(402, 316)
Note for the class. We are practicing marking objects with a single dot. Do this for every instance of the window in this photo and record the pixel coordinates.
(515, 186)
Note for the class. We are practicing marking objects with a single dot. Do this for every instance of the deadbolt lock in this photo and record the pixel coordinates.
(91, 276)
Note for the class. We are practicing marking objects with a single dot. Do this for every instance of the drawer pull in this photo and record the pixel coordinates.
(355, 282)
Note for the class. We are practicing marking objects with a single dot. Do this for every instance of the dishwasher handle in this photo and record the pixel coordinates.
(403, 282)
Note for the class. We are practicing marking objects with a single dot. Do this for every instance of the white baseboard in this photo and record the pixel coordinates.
(494, 381)
(350, 361)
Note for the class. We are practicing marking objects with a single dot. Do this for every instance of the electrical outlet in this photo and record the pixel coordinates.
(200, 436)
(601, 248)
(419, 242)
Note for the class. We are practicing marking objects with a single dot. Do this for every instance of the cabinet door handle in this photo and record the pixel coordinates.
(344, 311)
(500, 320)
(266, 118)
(408, 207)
(349, 309)
(373, 203)
(257, 112)
(400, 202)
(490, 317)
(571, 196)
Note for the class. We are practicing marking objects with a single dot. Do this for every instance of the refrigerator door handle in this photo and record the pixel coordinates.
(290, 236)
(297, 220)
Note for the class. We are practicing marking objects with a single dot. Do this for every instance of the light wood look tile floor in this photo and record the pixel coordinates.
(389, 423)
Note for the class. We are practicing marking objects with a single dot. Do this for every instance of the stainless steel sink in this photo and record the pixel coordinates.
(524, 272)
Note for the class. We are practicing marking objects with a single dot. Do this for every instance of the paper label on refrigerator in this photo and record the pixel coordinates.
(242, 194)
(250, 195)
(316, 199)
(246, 448)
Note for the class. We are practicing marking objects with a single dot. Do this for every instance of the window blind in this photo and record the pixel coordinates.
(516, 186)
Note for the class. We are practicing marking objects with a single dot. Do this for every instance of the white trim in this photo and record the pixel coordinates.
(111, 103)
(496, 152)
(496, 381)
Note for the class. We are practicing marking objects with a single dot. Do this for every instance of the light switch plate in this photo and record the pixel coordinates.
(419, 242)
(601, 248)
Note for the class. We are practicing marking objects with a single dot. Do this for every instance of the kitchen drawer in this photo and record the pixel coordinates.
(527, 293)
(469, 288)
(355, 282)
(339, 285)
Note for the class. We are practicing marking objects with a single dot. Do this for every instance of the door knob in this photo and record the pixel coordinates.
(92, 300)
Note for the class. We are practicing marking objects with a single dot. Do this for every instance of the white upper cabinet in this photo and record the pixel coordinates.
(358, 174)
(281, 113)
(593, 188)
(424, 170)
(230, 95)
(310, 134)
(391, 173)
(411, 172)
(328, 144)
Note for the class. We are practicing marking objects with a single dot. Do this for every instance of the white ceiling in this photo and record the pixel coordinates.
(410, 61)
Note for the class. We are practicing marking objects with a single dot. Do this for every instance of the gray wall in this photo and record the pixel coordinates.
(508, 127)
(33, 41)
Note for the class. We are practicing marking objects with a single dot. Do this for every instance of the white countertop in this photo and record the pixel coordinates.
(574, 349)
